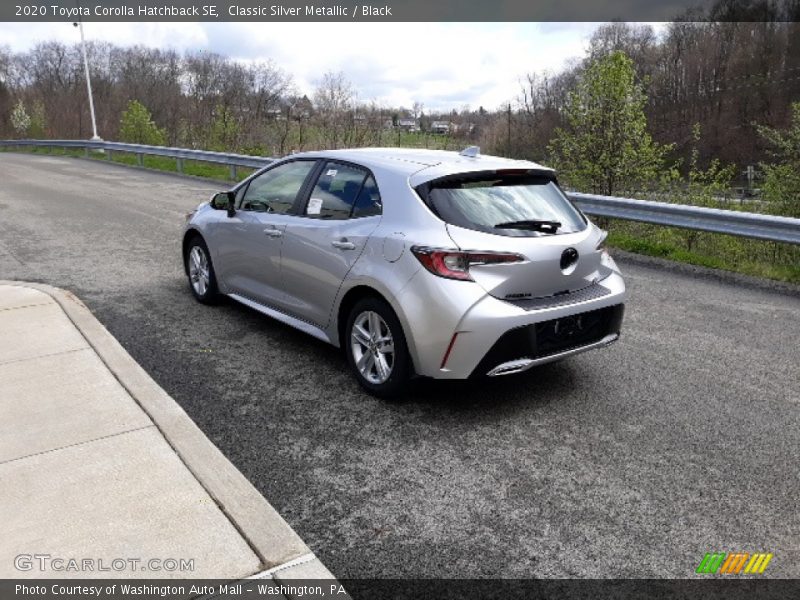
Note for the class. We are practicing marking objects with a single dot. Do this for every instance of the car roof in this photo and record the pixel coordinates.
(424, 165)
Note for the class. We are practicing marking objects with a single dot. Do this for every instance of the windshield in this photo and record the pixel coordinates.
(505, 205)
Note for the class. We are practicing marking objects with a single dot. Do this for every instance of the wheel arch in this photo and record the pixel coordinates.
(190, 234)
(364, 290)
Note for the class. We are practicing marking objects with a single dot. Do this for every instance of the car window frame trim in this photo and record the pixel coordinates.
(323, 161)
(244, 185)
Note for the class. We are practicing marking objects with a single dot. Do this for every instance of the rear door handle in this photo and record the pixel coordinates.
(343, 244)
(272, 232)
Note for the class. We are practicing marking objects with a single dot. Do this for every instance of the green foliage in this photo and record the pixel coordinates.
(36, 129)
(702, 187)
(223, 133)
(605, 147)
(137, 126)
(712, 250)
(782, 177)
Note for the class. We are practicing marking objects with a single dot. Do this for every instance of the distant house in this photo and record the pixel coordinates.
(408, 124)
(441, 127)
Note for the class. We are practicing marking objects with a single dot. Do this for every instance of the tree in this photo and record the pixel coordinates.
(137, 126)
(20, 120)
(605, 147)
(334, 100)
(782, 176)
(223, 132)
(36, 128)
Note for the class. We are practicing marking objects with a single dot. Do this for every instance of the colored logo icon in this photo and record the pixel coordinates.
(734, 563)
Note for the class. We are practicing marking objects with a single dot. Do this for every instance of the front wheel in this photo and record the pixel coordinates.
(376, 348)
(202, 279)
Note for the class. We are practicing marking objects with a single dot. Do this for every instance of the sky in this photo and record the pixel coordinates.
(441, 65)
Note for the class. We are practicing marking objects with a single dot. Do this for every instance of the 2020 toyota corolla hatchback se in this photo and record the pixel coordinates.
(414, 262)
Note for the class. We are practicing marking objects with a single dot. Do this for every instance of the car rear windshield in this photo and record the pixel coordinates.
(513, 205)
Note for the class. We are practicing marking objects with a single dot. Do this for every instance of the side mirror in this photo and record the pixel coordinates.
(224, 201)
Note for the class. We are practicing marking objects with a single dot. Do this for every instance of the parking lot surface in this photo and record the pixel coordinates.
(633, 461)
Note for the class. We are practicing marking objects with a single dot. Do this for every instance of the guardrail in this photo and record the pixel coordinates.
(731, 222)
(140, 150)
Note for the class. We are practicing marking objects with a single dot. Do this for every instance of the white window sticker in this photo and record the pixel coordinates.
(314, 206)
(331, 173)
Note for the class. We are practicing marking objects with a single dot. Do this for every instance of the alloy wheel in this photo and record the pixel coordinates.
(372, 345)
(199, 273)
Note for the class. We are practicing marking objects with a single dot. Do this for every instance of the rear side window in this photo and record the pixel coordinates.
(513, 205)
(368, 202)
(343, 191)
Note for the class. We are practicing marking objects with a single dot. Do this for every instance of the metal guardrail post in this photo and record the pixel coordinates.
(233, 173)
(179, 165)
(140, 159)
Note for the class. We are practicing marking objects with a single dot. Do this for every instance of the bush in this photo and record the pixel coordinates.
(137, 126)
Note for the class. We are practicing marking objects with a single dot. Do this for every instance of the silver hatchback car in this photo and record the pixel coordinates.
(414, 262)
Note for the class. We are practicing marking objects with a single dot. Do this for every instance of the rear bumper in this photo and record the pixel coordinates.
(460, 331)
(523, 364)
(521, 348)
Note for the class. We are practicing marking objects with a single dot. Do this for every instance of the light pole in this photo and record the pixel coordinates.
(79, 25)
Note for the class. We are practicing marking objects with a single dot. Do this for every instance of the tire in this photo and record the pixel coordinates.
(200, 271)
(380, 371)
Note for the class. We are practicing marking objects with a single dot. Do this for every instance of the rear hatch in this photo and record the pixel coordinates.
(520, 212)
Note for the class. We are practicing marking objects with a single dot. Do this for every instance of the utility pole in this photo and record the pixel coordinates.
(79, 25)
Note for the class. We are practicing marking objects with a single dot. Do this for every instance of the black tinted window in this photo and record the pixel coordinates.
(492, 202)
(275, 190)
(335, 192)
(368, 202)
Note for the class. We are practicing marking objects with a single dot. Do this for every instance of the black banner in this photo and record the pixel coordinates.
(397, 10)
(716, 588)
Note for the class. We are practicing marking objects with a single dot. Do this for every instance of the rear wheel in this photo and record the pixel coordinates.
(376, 348)
(202, 280)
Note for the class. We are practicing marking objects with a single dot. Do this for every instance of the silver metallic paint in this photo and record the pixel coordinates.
(303, 274)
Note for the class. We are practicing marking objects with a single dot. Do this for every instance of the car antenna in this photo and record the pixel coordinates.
(471, 151)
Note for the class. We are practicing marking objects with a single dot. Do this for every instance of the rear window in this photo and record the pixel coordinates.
(518, 205)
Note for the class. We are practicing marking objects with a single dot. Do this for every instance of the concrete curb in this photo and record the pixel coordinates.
(270, 537)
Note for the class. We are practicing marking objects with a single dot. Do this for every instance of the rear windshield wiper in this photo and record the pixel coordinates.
(543, 226)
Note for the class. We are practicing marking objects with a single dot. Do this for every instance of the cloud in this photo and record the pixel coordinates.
(443, 65)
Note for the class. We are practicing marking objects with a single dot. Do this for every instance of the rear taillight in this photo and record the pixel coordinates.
(455, 264)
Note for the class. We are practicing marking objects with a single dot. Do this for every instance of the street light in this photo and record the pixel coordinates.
(95, 137)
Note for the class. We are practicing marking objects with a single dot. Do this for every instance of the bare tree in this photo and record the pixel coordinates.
(334, 100)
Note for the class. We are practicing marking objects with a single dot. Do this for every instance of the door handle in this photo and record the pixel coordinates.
(343, 244)
(272, 232)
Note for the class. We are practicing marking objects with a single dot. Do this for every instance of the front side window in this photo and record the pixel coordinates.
(506, 205)
(338, 189)
(275, 191)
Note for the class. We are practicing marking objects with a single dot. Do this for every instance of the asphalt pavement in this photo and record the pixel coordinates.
(633, 461)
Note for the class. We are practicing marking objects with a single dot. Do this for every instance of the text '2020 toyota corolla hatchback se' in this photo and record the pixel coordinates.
(414, 262)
